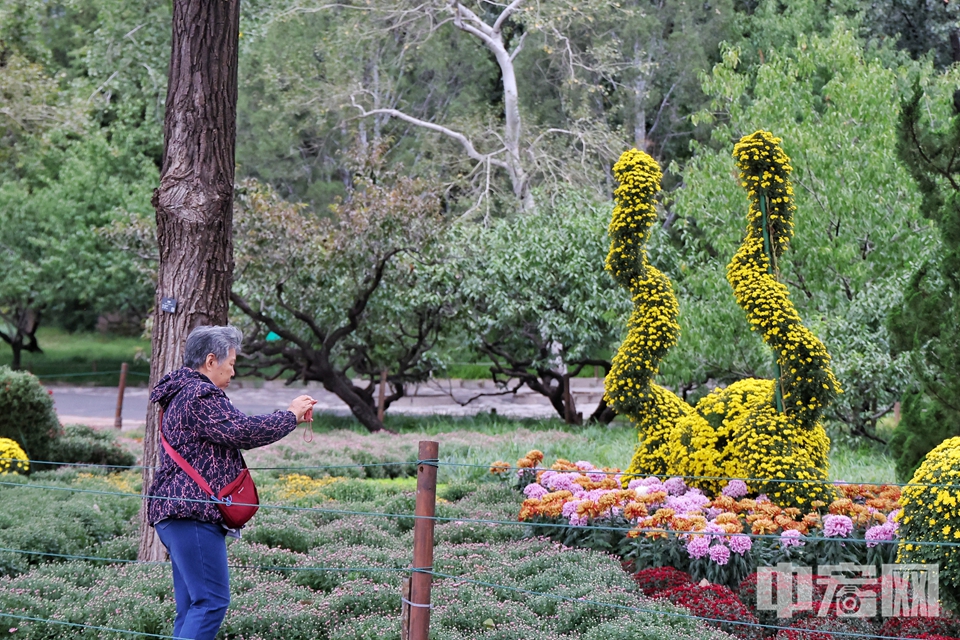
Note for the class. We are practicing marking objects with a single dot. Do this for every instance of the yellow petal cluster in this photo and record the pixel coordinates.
(13, 459)
(652, 328)
(930, 513)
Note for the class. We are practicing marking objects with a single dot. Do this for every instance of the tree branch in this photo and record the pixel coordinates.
(450, 133)
(268, 321)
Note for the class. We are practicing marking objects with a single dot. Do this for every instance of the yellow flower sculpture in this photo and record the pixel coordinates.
(766, 429)
(652, 328)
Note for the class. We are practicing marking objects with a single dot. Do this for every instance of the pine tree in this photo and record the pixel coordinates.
(927, 324)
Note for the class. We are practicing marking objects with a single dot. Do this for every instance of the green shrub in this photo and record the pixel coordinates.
(131, 597)
(61, 522)
(350, 491)
(456, 491)
(26, 413)
(280, 528)
(81, 444)
(924, 424)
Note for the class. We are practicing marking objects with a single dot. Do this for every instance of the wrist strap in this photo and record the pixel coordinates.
(190, 471)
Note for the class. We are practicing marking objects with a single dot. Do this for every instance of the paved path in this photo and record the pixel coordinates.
(96, 406)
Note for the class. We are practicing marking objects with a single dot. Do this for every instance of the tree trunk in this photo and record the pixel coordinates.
(25, 321)
(194, 203)
(16, 347)
(361, 409)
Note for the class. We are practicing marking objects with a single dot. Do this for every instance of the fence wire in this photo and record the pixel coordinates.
(513, 469)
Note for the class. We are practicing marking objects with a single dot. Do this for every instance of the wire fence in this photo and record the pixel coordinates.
(466, 579)
(496, 470)
(487, 521)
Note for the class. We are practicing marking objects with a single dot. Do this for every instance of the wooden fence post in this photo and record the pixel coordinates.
(405, 609)
(118, 420)
(420, 581)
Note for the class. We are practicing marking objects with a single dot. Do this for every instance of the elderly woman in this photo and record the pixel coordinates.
(204, 428)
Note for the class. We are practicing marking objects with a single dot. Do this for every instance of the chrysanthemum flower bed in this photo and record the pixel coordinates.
(702, 552)
(654, 522)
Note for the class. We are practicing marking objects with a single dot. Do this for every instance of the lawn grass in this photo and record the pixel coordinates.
(867, 464)
(65, 355)
(84, 358)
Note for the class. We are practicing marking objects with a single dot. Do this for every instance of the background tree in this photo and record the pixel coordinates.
(919, 27)
(926, 325)
(347, 296)
(537, 302)
(194, 202)
(491, 100)
(63, 174)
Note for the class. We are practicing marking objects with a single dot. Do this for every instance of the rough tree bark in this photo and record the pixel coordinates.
(194, 203)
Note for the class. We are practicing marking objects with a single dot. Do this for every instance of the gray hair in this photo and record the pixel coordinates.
(212, 339)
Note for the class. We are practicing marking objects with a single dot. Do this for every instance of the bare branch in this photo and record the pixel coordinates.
(505, 15)
(299, 315)
(456, 135)
(519, 46)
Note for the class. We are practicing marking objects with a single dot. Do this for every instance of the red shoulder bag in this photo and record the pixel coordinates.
(237, 501)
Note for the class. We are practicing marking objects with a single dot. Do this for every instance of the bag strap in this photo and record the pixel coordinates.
(190, 471)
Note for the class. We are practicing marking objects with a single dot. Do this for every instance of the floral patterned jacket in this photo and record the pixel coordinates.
(203, 426)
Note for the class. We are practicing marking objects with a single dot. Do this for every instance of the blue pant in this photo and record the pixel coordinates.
(201, 580)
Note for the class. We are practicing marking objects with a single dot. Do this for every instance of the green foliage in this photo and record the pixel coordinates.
(26, 413)
(82, 444)
(534, 280)
(921, 28)
(77, 85)
(924, 424)
(49, 220)
(62, 522)
(360, 291)
(533, 299)
(925, 324)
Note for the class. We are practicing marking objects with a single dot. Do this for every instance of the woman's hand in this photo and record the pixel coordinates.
(300, 406)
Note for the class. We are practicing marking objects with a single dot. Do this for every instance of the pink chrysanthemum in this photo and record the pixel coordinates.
(791, 538)
(740, 544)
(837, 526)
(735, 489)
(720, 554)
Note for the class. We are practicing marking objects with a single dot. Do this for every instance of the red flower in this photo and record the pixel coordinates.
(717, 603)
(655, 580)
(921, 627)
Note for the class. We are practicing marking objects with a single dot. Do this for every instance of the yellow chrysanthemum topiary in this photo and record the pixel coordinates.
(13, 459)
(652, 328)
(931, 514)
(751, 429)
